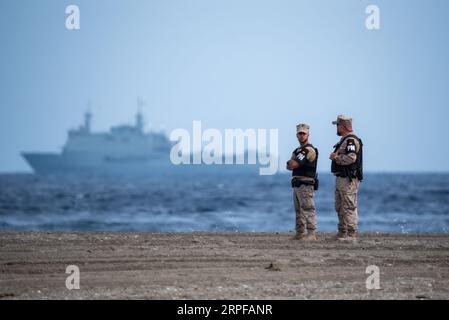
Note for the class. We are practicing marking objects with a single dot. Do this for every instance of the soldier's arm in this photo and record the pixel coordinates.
(301, 157)
(311, 154)
(347, 154)
(292, 163)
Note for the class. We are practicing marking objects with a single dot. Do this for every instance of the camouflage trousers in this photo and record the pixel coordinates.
(305, 208)
(346, 204)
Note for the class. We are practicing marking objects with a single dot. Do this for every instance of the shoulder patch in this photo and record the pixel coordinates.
(350, 146)
(301, 155)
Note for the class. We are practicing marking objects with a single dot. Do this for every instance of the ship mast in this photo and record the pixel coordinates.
(88, 117)
(139, 117)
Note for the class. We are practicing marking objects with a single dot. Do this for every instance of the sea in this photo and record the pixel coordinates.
(387, 202)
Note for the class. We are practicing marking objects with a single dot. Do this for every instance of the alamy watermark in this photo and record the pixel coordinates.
(233, 147)
(372, 22)
(72, 21)
(373, 280)
(73, 280)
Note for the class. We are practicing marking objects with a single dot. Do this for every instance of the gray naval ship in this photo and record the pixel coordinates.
(124, 149)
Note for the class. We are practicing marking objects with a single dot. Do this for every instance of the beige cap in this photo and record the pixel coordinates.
(302, 127)
(344, 120)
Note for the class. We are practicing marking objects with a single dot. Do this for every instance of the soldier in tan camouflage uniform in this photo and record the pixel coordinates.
(347, 167)
(303, 166)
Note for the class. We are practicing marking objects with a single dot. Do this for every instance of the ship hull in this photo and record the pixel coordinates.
(54, 163)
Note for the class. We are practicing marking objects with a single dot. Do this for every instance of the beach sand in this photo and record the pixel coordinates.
(222, 266)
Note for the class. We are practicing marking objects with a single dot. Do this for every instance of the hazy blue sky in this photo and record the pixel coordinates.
(230, 64)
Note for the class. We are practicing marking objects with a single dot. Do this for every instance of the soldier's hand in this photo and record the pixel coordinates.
(292, 165)
(333, 155)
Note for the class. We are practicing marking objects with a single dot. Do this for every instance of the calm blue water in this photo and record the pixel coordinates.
(212, 202)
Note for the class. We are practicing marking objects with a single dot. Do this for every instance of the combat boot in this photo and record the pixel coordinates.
(341, 236)
(299, 236)
(311, 236)
(352, 236)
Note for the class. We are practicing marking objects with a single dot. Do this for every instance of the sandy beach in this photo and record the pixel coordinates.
(222, 266)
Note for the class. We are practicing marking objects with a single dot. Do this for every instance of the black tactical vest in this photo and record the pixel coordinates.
(306, 168)
(354, 170)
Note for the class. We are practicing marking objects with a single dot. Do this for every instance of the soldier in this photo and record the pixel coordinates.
(347, 166)
(303, 166)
